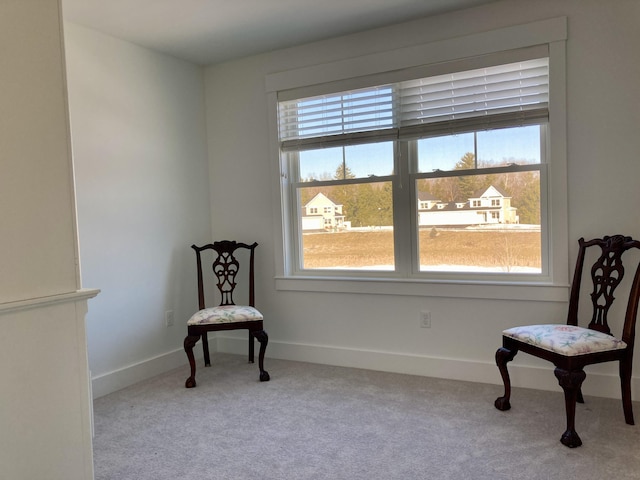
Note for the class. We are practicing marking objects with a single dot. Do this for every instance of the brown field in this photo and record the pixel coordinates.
(493, 249)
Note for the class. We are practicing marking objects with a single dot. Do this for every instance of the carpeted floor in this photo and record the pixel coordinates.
(321, 422)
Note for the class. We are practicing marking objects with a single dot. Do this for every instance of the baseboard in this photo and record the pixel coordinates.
(131, 374)
(541, 378)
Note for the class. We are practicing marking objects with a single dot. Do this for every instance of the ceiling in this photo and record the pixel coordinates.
(213, 31)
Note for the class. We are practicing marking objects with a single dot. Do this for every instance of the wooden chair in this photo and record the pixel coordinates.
(228, 315)
(570, 347)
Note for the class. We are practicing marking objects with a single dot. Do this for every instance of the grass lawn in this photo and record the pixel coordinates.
(489, 249)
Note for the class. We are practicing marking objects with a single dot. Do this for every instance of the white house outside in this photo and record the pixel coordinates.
(321, 213)
(491, 206)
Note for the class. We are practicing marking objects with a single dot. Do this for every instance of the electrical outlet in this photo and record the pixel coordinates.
(168, 318)
(425, 319)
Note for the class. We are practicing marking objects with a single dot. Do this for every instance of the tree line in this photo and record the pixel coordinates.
(370, 204)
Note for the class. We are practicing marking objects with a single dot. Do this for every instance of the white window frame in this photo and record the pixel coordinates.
(554, 286)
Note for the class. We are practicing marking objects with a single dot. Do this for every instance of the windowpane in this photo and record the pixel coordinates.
(347, 226)
(519, 145)
(370, 159)
(492, 148)
(444, 153)
(486, 223)
(320, 164)
(354, 161)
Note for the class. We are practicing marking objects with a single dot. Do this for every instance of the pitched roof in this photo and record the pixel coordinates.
(481, 193)
(320, 196)
(426, 196)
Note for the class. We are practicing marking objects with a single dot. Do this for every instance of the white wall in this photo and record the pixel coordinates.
(35, 151)
(381, 331)
(45, 410)
(138, 130)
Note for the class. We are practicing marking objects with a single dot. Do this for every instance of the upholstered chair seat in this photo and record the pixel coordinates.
(565, 339)
(225, 314)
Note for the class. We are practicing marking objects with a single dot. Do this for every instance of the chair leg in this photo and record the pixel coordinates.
(571, 382)
(205, 349)
(503, 356)
(263, 338)
(625, 382)
(251, 348)
(189, 343)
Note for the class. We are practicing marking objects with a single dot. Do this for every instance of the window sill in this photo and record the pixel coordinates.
(542, 292)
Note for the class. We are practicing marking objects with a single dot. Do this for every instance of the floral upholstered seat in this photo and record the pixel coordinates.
(225, 314)
(565, 339)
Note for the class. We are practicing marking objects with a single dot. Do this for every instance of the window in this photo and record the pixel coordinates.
(447, 167)
(327, 158)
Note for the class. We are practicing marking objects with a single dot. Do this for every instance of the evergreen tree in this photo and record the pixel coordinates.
(528, 202)
(468, 186)
(343, 172)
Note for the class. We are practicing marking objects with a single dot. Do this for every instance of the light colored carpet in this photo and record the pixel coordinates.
(321, 422)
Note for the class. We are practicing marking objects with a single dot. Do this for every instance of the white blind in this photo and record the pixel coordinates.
(345, 112)
(491, 97)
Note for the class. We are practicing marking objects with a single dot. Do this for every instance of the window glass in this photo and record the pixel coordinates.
(320, 164)
(444, 153)
(519, 145)
(339, 163)
(353, 232)
(480, 223)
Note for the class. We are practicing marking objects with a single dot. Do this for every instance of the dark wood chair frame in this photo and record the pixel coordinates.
(606, 274)
(225, 267)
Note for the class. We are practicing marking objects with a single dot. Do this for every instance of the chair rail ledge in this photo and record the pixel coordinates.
(40, 302)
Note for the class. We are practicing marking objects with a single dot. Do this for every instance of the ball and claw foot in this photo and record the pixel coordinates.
(264, 376)
(190, 383)
(570, 439)
(502, 403)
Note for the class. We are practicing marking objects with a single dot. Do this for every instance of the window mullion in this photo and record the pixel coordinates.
(403, 210)
(295, 229)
